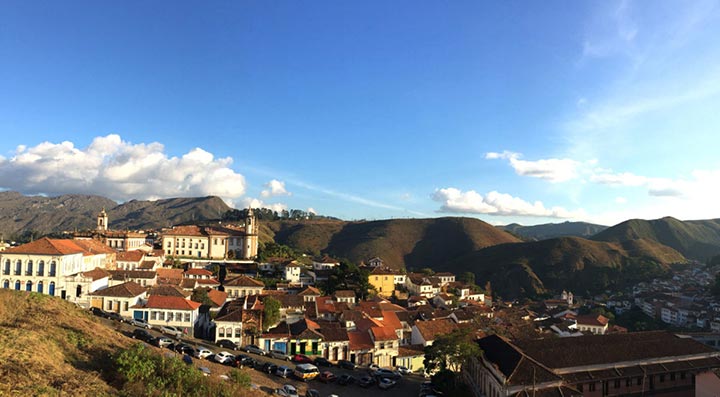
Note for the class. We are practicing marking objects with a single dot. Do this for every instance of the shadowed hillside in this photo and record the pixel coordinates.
(400, 242)
(694, 239)
(532, 268)
(552, 230)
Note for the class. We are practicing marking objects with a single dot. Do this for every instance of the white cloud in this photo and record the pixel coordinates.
(553, 170)
(257, 203)
(494, 203)
(618, 179)
(275, 188)
(620, 200)
(120, 170)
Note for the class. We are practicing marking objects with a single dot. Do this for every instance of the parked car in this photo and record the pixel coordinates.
(403, 370)
(255, 350)
(373, 367)
(170, 330)
(114, 316)
(202, 352)
(242, 360)
(224, 357)
(96, 311)
(205, 370)
(306, 372)
(279, 354)
(386, 373)
(312, 393)
(163, 342)
(227, 344)
(346, 364)
(269, 368)
(386, 383)
(287, 391)
(185, 349)
(141, 334)
(323, 362)
(346, 379)
(366, 381)
(327, 377)
(139, 322)
(302, 359)
(283, 371)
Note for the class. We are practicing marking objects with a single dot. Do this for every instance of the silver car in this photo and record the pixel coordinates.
(139, 322)
(172, 331)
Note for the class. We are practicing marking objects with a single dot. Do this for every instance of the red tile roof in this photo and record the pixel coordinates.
(198, 272)
(170, 303)
(383, 333)
(94, 247)
(96, 274)
(46, 246)
(360, 340)
(244, 281)
(218, 297)
(597, 320)
(125, 290)
(434, 328)
(130, 256)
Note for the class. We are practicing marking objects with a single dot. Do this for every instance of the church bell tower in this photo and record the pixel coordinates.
(102, 221)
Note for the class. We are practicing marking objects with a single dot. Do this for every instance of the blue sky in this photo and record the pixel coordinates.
(508, 111)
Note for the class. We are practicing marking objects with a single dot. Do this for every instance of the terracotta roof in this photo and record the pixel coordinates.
(326, 259)
(96, 274)
(188, 283)
(432, 329)
(171, 303)
(518, 368)
(46, 246)
(218, 297)
(94, 247)
(603, 349)
(597, 320)
(310, 291)
(244, 281)
(390, 319)
(130, 256)
(334, 334)
(207, 281)
(147, 265)
(125, 290)
(190, 230)
(126, 274)
(383, 333)
(166, 273)
(384, 270)
(411, 351)
(198, 272)
(344, 293)
(444, 274)
(360, 340)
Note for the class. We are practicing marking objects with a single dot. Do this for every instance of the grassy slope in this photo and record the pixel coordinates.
(48, 345)
(552, 230)
(400, 242)
(694, 239)
(568, 262)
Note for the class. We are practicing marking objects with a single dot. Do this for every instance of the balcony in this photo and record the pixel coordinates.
(28, 273)
(40, 273)
(51, 274)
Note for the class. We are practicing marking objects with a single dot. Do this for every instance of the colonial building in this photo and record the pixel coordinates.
(654, 363)
(168, 310)
(52, 266)
(119, 298)
(213, 242)
(120, 240)
(242, 286)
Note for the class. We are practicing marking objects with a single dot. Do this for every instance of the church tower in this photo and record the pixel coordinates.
(250, 247)
(102, 221)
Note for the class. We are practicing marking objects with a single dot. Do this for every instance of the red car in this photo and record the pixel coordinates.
(327, 377)
(302, 359)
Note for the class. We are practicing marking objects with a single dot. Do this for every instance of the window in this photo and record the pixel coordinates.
(29, 270)
(18, 266)
(6, 268)
(41, 268)
(187, 317)
(238, 332)
(170, 316)
(628, 382)
(153, 315)
(125, 306)
(53, 268)
(161, 316)
(672, 376)
(638, 381)
(662, 378)
(109, 305)
(28, 286)
(616, 384)
(40, 287)
(591, 387)
(221, 332)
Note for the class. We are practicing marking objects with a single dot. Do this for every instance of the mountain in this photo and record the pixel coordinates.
(400, 243)
(552, 230)
(78, 212)
(695, 239)
(532, 268)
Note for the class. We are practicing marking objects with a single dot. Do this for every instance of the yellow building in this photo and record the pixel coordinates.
(383, 279)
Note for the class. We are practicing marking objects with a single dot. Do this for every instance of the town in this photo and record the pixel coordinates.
(205, 283)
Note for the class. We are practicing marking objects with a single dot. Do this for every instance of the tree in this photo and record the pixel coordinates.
(271, 312)
(200, 295)
(451, 351)
(427, 271)
(467, 278)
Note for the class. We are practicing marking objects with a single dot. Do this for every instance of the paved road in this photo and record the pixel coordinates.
(405, 387)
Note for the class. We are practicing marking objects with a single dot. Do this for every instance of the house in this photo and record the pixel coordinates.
(228, 322)
(445, 278)
(198, 274)
(161, 310)
(411, 357)
(442, 300)
(383, 279)
(142, 277)
(242, 286)
(375, 262)
(129, 260)
(291, 272)
(213, 242)
(325, 263)
(594, 323)
(425, 332)
(642, 363)
(345, 296)
(335, 342)
(119, 298)
(419, 284)
(170, 276)
(386, 344)
(360, 347)
(48, 265)
(309, 294)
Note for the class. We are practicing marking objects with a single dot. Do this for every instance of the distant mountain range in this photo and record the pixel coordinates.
(630, 251)
(552, 230)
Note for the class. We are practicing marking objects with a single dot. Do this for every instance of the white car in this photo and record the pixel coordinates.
(170, 330)
(288, 391)
(224, 357)
(163, 341)
(139, 322)
(386, 383)
(205, 371)
(202, 352)
(403, 370)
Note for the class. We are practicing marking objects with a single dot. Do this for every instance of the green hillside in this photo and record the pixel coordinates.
(552, 230)
(532, 268)
(694, 239)
(399, 242)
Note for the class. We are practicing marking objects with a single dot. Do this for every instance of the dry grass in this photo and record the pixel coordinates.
(52, 347)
